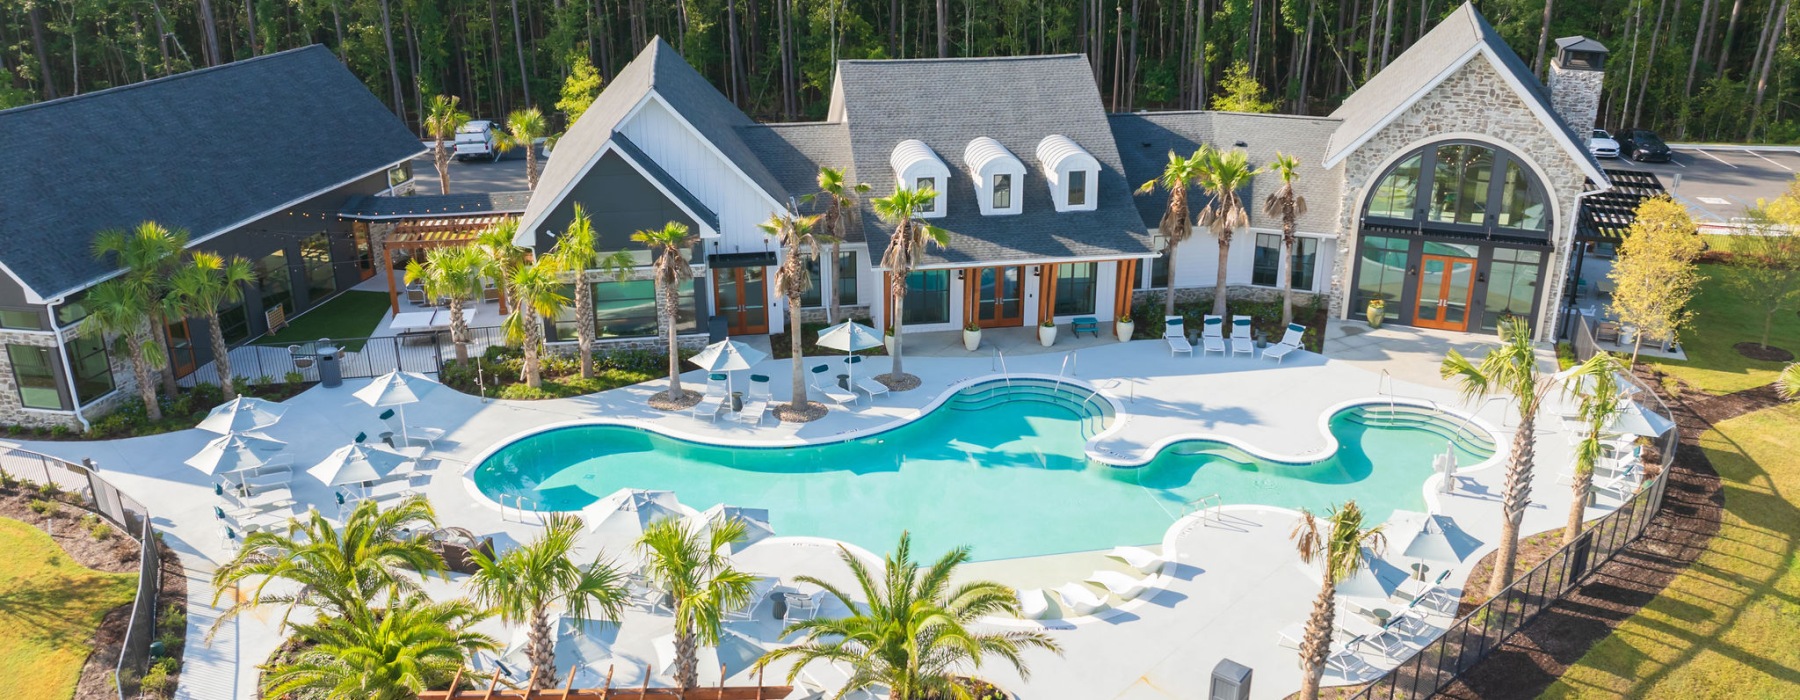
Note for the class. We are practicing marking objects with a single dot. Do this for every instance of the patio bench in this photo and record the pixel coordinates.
(1085, 324)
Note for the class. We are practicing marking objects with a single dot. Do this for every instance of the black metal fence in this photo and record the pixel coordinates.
(424, 352)
(1473, 637)
(131, 517)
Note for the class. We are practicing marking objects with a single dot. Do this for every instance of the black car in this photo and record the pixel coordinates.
(1643, 145)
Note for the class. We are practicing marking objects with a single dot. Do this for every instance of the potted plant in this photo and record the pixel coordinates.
(887, 339)
(971, 336)
(1047, 332)
(1377, 310)
(1124, 327)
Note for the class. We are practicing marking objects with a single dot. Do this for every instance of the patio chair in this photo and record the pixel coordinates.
(638, 591)
(1243, 340)
(1175, 334)
(1139, 558)
(1432, 595)
(867, 385)
(1344, 660)
(1212, 335)
(800, 606)
(822, 381)
(1290, 341)
(756, 402)
(1390, 641)
(1625, 481)
(490, 292)
(1121, 585)
(229, 538)
(714, 401)
(416, 296)
(1032, 604)
(1079, 599)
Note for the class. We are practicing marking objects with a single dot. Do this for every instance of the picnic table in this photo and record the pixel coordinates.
(1085, 324)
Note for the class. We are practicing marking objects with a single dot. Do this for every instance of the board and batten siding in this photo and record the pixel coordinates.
(739, 205)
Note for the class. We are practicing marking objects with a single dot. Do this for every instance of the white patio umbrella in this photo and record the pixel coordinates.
(622, 516)
(356, 463)
(241, 415)
(235, 452)
(395, 390)
(1634, 419)
(1441, 540)
(734, 653)
(755, 520)
(728, 356)
(1376, 580)
(850, 337)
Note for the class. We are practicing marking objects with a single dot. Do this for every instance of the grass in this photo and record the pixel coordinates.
(1731, 622)
(1720, 322)
(49, 609)
(352, 314)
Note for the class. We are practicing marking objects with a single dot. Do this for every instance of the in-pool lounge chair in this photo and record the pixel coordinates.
(1212, 335)
(1079, 599)
(716, 396)
(1290, 341)
(1243, 341)
(1175, 333)
(756, 402)
(1032, 604)
(823, 382)
(1121, 585)
(1139, 558)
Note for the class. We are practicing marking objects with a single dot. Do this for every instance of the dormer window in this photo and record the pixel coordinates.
(919, 167)
(995, 172)
(1071, 172)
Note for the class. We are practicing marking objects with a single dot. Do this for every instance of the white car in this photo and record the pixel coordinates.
(1602, 145)
(476, 139)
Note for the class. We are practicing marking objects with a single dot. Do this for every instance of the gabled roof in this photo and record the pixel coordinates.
(1145, 139)
(208, 150)
(425, 206)
(665, 181)
(661, 71)
(947, 103)
(1437, 55)
(793, 154)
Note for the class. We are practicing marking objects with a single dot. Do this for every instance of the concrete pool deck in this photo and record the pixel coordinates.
(1237, 582)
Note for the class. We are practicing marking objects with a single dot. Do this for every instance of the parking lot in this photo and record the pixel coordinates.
(1718, 182)
(507, 175)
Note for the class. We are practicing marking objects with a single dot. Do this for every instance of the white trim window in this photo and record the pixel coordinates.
(1071, 171)
(996, 173)
(917, 166)
(1265, 270)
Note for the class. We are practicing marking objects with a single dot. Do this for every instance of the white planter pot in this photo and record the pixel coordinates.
(889, 342)
(971, 340)
(1047, 335)
(1124, 329)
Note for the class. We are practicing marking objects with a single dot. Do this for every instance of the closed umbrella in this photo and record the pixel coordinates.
(241, 415)
(395, 390)
(356, 463)
(1634, 419)
(728, 356)
(755, 520)
(236, 452)
(850, 337)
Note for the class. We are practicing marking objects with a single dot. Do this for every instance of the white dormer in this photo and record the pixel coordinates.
(1073, 173)
(916, 166)
(997, 175)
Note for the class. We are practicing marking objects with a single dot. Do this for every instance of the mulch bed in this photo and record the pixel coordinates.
(904, 382)
(813, 411)
(660, 401)
(1756, 351)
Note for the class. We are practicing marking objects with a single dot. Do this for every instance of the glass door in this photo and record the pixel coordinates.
(181, 348)
(741, 295)
(1446, 285)
(999, 296)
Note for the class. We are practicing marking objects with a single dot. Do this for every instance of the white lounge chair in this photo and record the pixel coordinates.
(867, 385)
(1175, 334)
(1032, 604)
(822, 381)
(410, 433)
(1121, 585)
(1079, 599)
(1291, 636)
(756, 401)
(1212, 335)
(1243, 337)
(1432, 595)
(1139, 558)
(715, 398)
(1290, 341)
(1344, 660)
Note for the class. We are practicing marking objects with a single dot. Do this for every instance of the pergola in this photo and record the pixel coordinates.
(1605, 217)
(422, 234)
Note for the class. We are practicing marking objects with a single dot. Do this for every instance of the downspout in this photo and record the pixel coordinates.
(62, 352)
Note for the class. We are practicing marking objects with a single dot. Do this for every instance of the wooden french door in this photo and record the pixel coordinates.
(181, 348)
(996, 296)
(741, 295)
(1446, 285)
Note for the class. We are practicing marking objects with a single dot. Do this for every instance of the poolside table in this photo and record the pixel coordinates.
(412, 321)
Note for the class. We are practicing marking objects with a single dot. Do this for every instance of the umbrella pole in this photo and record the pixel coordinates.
(405, 439)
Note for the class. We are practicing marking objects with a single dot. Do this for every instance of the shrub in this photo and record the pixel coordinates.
(8, 482)
(174, 617)
(43, 507)
(171, 643)
(294, 377)
(49, 489)
(99, 529)
(155, 683)
(523, 392)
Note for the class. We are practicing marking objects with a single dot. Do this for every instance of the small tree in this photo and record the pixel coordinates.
(1765, 264)
(1178, 179)
(579, 89)
(149, 254)
(1286, 204)
(1239, 92)
(1224, 174)
(693, 565)
(118, 308)
(536, 290)
(911, 236)
(834, 223)
(575, 250)
(1599, 407)
(1787, 384)
(1338, 550)
(526, 583)
(669, 244)
(455, 274)
(523, 128)
(199, 288)
(1654, 277)
(798, 244)
(442, 119)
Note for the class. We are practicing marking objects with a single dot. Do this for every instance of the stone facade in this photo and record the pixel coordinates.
(1235, 292)
(816, 314)
(12, 409)
(1474, 103)
(1575, 93)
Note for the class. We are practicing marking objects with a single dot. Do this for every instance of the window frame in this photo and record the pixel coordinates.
(1090, 282)
(1070, 197)
(1425, 182)
(47, 360)
(76, 378)
(915, 292)
(995, 189)
(1305, 247)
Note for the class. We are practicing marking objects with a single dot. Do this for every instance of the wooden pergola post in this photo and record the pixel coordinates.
(387, 264)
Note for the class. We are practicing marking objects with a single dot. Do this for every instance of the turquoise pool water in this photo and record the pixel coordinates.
(998, 467)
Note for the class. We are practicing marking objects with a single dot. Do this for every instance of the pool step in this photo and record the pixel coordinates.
(1095, 414)
(1464, 434)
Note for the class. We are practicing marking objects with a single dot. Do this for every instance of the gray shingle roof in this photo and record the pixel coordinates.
(1017, 101)
(1424, 63)
(1145, 139)
(203, 150)
(378, 207)
(793, 154)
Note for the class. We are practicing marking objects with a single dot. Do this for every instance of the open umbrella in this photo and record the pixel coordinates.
(622, 516)
(733, 654)
(728, 356)
(1376, 580)
(396, 389)
(356, 463)
(850, 337)
(1441, 540)
(1634, 419)
(755, 520)
(241, 415)
(236, 452)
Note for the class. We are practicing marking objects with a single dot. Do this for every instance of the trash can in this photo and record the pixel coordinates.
(330, 370)
(1230, 681)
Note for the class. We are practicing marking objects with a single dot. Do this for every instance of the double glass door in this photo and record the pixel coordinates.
(1446, 285)
(741, 295)
(998, 296)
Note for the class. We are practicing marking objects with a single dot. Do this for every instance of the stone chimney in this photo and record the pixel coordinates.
(1575, 79)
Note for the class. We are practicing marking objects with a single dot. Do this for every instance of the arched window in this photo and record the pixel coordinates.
(1461, 186)
(1398, 192)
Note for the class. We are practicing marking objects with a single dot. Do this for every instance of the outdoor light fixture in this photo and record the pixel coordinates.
(959, 274)
(1412, 270)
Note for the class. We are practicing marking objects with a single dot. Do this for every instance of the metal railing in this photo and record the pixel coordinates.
(424, 352)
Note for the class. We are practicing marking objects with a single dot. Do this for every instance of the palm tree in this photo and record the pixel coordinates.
(199, 288)
(454, 273)
(537, 294)
(905, 247)
(692, 566)
(1223, 174)
(575, 253)
(1286, 204)
(391, 653)
(149, 254)
(118, 307)
(524, 584)
(523, 128)
(1787, 384)
(503, 256)
(834, 223)
(333, 570)
(669, 244)
(1511, 370)
(1339, 551)
(1177, 225)
(915, 634)
(799, 243)
(442, 119)
(1599, 407)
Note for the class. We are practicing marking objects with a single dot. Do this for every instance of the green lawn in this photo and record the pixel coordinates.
(352, 314)
(49, 608)
(1721, 322)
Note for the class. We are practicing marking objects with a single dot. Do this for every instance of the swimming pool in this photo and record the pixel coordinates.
(999, 466)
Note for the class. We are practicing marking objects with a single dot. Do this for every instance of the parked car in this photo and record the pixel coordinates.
(1602, 145)
(476, 139)
(1643, 145)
